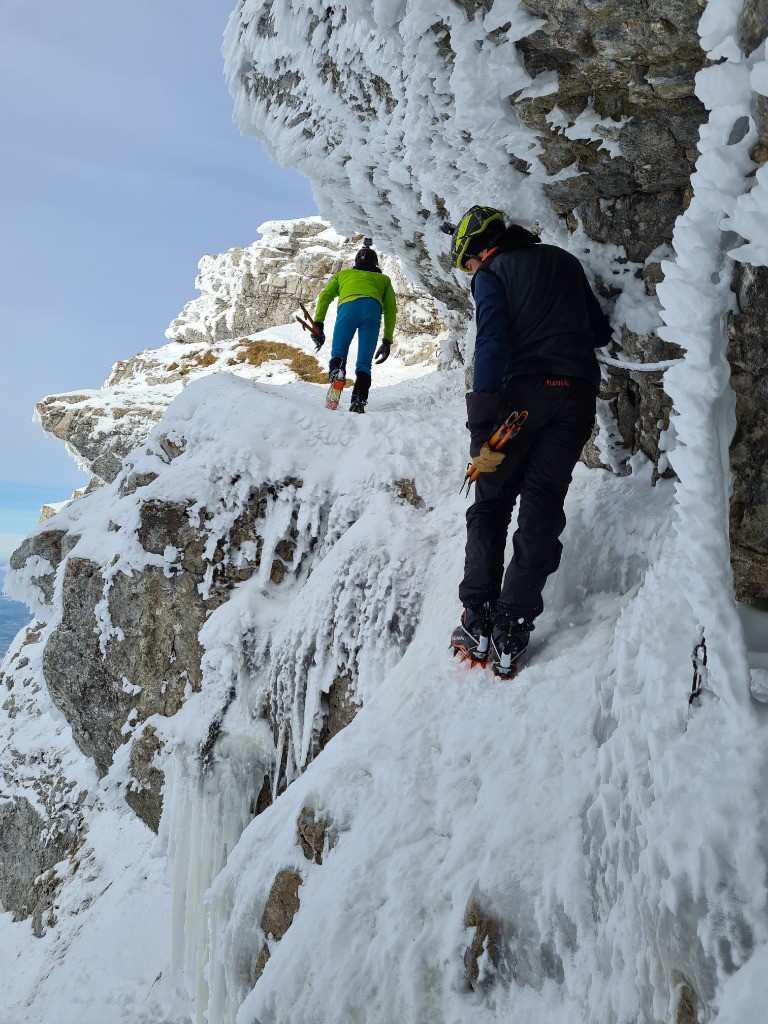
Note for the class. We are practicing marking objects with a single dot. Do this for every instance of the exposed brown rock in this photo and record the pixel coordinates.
(488, 941)
(406, 492)
(686, 1003)
(277, 571)
(145, 795)
(261, 963)
(264, 797)
(340, 707)
(311, 833)
(282, 904)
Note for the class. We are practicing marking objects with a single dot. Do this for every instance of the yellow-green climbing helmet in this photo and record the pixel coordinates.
(473, 223)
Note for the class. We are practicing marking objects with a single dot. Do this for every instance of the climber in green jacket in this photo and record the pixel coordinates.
(363, 294)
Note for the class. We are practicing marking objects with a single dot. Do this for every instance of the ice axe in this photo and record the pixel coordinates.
(508, 429)
(308, 323)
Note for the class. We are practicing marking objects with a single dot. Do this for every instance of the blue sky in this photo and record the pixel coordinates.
(121, 167)
(20, 506)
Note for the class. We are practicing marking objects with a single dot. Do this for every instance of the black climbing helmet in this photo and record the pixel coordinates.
(478, 229)
(366, 258)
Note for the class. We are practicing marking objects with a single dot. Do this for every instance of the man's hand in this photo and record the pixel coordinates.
(319, 334)
(487, 461)
(382, 353)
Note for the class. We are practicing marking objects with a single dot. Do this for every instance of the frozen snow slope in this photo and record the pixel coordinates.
(603, 839)
(610, 836)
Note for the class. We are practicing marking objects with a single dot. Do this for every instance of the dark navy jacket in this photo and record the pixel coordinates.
(536, 314)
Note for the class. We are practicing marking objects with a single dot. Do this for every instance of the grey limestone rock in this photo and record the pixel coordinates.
(126, 647)
(748, 356)
(50, 546)
(78, 419)
(753, 24)
(108, 679)
(145, 794)
(33, 839)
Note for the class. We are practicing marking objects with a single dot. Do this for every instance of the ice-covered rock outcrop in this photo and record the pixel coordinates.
(583, 118)
(245, 292)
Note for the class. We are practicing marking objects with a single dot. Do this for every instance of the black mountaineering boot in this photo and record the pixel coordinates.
(471, 638)
(360, 392)
(512, 628)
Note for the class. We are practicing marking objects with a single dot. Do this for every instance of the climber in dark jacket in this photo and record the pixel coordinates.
(538, 324)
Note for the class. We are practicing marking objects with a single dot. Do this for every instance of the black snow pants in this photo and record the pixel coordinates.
(537, 468)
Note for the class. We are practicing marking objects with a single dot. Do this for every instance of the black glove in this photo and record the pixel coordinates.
(485, 411)
(382, 352)
(319, 334)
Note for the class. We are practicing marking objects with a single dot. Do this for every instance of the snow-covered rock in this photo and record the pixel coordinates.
(247, 290)
(241, 635)
(582, 118)
(245, 293)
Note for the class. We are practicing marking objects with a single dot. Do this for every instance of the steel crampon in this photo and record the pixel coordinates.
(475, 657)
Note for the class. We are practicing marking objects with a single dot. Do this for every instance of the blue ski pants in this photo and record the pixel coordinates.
(364, 316)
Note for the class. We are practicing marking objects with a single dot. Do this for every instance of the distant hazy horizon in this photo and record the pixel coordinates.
(12, 616)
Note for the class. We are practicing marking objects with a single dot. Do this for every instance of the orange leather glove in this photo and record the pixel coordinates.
(487, 460)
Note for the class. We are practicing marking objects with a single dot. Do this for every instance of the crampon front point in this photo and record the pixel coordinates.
(465, 655)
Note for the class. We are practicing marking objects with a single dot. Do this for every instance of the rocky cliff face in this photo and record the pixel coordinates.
(116, 647)
(748, 355)
(126, 579)
(248, 290)
(244, 293)
(588, 126)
